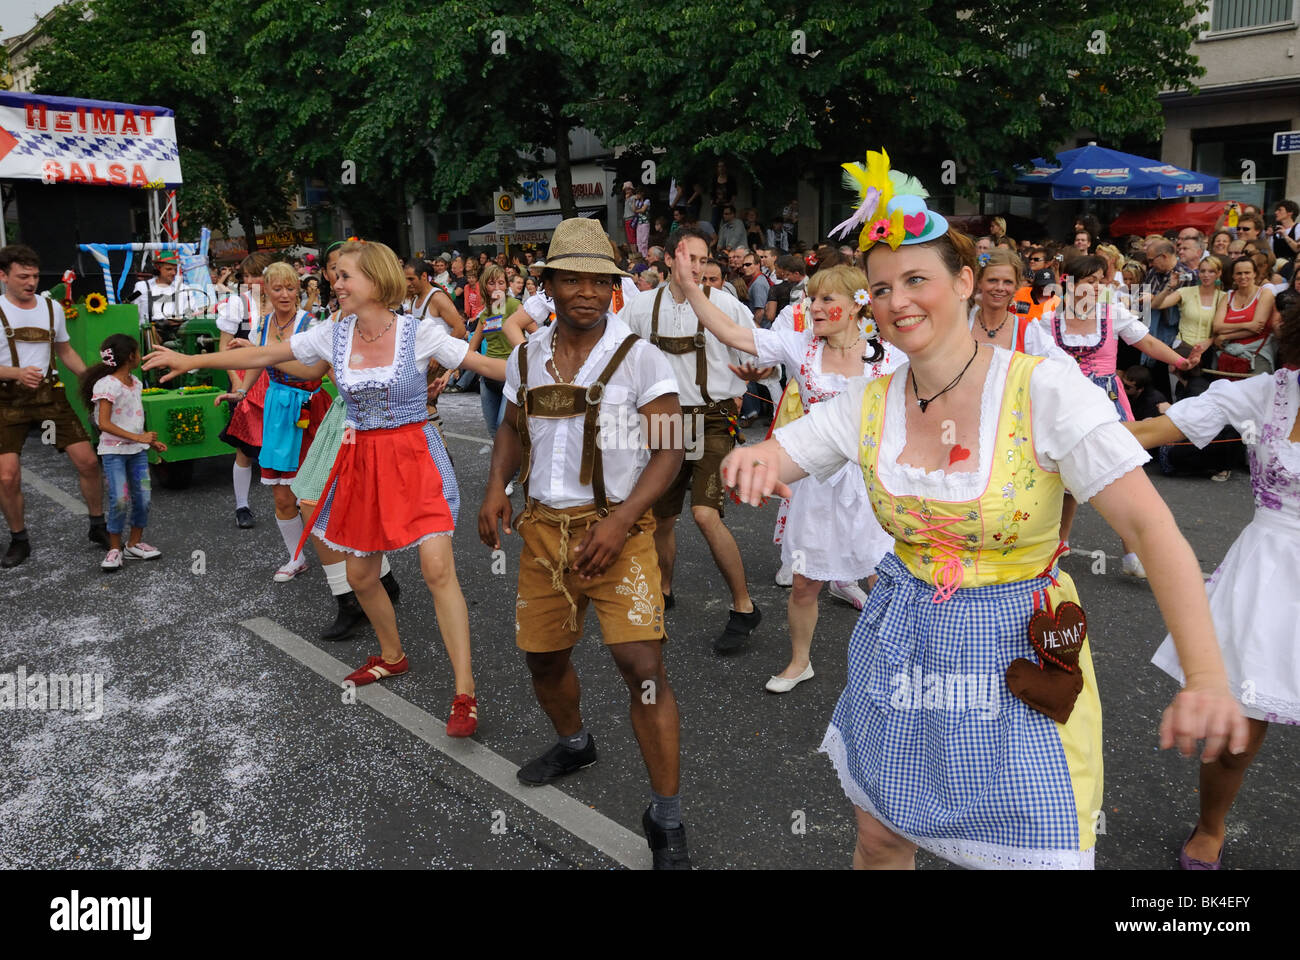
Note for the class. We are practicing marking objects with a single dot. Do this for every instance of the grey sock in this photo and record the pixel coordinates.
(666, 811)
(578, 741)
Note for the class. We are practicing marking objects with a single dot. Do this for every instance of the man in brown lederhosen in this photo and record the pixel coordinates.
(32, 396)
(593, 426)
(709, 389)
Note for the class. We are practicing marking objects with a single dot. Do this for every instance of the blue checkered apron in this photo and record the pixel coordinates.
(979, 786)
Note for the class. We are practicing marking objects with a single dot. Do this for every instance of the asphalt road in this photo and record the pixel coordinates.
(226, 745)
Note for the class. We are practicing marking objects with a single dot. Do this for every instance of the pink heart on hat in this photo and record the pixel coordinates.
(914, 223)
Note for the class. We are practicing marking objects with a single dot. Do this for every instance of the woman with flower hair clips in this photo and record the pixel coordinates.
(827, 533)
(970, 724)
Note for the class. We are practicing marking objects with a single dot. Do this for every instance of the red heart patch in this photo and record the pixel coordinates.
(957, 454)
(914, 223)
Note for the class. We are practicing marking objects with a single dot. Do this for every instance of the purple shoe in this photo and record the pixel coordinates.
(1191, 863)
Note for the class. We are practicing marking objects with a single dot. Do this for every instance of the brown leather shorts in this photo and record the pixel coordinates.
(17, 417)
(552, 601)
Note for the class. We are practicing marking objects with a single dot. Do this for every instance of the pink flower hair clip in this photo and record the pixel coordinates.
(107, 356)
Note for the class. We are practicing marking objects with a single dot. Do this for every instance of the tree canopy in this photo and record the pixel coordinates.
(438, 101)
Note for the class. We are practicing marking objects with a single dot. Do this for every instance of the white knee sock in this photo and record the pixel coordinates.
(291, 530)
(384, 568)
(336, 575)
(243, 478)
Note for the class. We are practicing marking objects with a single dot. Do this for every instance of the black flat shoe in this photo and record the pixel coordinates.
(19, 550)
(391, 585)
(244, 518)
(668, 847)
(350, 617)
(557, 762)
(739, 627)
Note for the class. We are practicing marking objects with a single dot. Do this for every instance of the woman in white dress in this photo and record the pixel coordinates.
(829, 531)
(1253, 596)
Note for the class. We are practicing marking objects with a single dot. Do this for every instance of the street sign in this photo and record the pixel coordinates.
(504, 205)
(1286, 141)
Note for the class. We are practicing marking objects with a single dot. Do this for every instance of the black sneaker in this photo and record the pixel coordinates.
(244, 517)
(739, 627)
(557, 762)
(98, 535)
(668, 847)
(19, 550)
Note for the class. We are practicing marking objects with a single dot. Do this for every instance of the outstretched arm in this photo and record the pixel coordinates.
(1155, 432)
(179, 363)
(517, 326)
(1205, 709)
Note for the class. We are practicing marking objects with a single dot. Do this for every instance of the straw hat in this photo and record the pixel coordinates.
(580, 245)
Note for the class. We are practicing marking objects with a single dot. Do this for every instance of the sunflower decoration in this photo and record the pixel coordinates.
(186, 425)
(96, 303)
(891, 206)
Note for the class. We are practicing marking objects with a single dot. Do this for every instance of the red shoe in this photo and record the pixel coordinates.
(464, 716)
(377, 668)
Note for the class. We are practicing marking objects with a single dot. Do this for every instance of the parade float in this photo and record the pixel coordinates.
(55, 148)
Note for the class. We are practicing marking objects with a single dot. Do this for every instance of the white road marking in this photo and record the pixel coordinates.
(466, 436)
(65, 500)
(592, 827)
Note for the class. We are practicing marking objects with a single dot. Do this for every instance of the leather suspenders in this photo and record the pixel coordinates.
(561, 401)
(680, 345)
(30, 335)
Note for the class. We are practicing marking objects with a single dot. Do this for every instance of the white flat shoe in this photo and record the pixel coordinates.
(785, 576)
(785, 684)
(290, 570)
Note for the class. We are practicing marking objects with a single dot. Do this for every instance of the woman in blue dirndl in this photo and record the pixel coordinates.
(970, 724)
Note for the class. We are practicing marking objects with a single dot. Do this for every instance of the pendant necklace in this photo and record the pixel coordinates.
(994, 332)
(555, 367)
(923, 403)
(357, 357)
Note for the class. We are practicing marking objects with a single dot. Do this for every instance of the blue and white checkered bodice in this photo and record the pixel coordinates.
(375, 404)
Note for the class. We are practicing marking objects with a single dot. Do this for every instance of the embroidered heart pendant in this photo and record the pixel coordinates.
(1053, 686)
(1058, 639)
(958, 454)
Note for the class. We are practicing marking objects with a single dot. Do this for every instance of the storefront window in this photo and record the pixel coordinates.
(1243, 160)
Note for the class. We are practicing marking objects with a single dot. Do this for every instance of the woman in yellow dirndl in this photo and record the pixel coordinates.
(970, 724)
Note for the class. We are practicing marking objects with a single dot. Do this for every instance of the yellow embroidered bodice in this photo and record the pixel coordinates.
(1009, 533)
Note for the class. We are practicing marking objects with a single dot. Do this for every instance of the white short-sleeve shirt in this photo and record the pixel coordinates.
(38, 316)
(317, 344)
(679, 320)
(643, 376)
(1076, 430)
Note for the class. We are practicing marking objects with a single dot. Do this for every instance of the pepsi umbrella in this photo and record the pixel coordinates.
(1094, 172)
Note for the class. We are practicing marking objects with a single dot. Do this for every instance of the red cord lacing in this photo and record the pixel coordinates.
(948, 575)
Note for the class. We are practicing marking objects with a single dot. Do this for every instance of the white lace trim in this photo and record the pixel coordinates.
(1132, 462)
(974, 854)
(938, 485)
(279, 481)
(370, 553)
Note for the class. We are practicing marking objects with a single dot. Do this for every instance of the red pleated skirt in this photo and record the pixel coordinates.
(387, 491)
(246, 419)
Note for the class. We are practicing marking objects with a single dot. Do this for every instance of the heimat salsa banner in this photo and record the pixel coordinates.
(68, 140)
